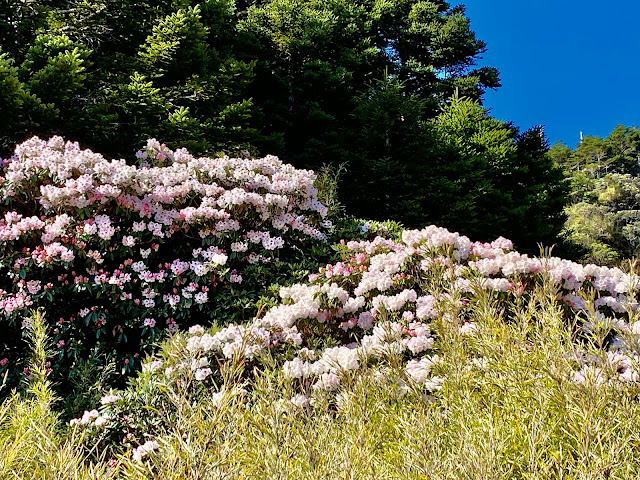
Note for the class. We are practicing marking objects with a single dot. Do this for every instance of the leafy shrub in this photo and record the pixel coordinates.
(118, 254)
(370, 313)
(603, 219)
(34, 445)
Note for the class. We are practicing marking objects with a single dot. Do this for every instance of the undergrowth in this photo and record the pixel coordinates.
(507, 409)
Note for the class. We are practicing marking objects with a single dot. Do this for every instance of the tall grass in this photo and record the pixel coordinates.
(33, 443)
(507, 410)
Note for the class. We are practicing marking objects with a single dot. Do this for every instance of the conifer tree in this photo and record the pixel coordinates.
(112, 74)
(463, 170)
(604, 201)
(319, 56)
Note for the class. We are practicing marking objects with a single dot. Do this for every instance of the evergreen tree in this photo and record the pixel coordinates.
(619, 152)
(22, 112)
(511, 186)
(387, 167)
(111, 74)
(463, 170)
(317, 57)
(539, 191)
(19, 22)
(604, 201)
(298, 78)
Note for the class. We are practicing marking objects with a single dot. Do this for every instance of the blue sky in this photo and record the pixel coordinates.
(569, 65)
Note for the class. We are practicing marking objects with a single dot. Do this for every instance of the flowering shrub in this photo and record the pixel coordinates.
(375, 309)
(119, 253)
(380, 300)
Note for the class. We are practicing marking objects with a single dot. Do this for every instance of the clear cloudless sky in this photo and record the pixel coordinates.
(569, 65)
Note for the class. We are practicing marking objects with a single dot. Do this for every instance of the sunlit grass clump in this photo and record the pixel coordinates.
(506, 410)
(509, 408)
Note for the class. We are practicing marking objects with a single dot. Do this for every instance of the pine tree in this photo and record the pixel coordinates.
(316, 58)
(111, 74)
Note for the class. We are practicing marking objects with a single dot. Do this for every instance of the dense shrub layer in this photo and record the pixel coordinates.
(372, 315)
(118, 253)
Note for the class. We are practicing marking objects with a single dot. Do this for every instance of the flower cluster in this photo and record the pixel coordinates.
(374, 304)
(620, 362)
(145, 449)
(92, 417)
(374, 311)
(117, 252)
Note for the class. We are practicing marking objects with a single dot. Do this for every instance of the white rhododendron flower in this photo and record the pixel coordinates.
(145, 449)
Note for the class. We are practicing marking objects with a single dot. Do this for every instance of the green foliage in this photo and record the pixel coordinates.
(389, 164)
(62, 78)
(176, 46)
(11, 95)
(22, 111)
(365, 84)
(33, 443)
(592, 227)
(463, 170)
(506, 410)
(113, 74)
(19, 22)
(316, 58)
(619, 152)
(512, 187)
(327, 183)
(603, 218)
